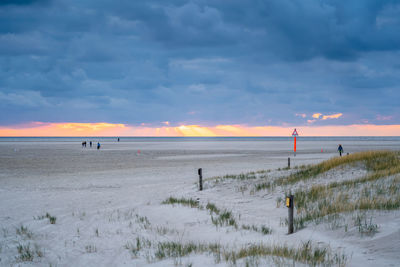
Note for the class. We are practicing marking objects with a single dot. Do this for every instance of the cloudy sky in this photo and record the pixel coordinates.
(254, 63)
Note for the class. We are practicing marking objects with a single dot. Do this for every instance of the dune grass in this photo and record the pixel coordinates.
(242, 176)
(224, 218)
(135, 247)
(305, 253)
(378, 190)
(381, 163)
(52, 219)
(265, 230)
(24, 232)
(365, 226)
(143, 221)
(315, 207)
(25, 253)
(182, 201)
(28, 253)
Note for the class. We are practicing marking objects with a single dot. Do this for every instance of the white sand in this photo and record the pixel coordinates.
(87, 189)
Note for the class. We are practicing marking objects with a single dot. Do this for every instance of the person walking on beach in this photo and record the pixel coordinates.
(340, 149)
(90, 143)
(98, 145)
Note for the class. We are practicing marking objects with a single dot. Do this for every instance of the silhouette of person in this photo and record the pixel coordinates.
(340, 149)
(98, 145)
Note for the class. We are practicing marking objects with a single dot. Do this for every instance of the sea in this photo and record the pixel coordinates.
(201, 139)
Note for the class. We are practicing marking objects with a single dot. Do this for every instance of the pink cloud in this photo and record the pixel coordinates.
(333, 116)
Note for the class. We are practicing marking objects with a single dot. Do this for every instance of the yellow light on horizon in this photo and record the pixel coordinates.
(110, 129)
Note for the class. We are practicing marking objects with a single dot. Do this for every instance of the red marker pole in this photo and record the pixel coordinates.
(294, 134)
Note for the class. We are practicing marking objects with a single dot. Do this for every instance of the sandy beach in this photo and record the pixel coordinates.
(104, 200)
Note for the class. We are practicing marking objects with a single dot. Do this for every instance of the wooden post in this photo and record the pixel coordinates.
(200, 172)
(290, 205)
(288, 163)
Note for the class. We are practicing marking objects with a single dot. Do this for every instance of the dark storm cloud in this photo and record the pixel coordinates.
(254, 62)
(22, 2)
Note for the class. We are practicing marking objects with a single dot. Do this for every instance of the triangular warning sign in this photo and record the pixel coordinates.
(295, 133)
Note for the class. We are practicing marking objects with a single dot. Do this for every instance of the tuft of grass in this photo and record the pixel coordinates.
(134, 248)
(24, 232)
(172, 249)
(264, 186)
(90, 248)
(306, 253)
(182, 201)
(365, 227)
(27, 253)
(52, 219)
(265, 230)
(242, 176)
(143, 221)
(212, 208)
(224, 218)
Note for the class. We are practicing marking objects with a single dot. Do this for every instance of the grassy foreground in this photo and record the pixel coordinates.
(378, 190)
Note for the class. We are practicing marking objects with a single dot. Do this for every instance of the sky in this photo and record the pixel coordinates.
(216, 67)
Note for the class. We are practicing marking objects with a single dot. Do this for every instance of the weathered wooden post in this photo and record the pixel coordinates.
(200, 171)
(288, 163)
(290, 205)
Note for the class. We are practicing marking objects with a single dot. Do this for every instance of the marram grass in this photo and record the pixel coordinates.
(182, 201)
(378, 190)
(305, 253)
(380, 163)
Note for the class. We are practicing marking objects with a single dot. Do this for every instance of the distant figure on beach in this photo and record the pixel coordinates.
(340, 149)
(98, 145)
(118, 139)
(90, 143)
(84, 144)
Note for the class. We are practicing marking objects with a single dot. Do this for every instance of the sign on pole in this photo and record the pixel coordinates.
(295, 134)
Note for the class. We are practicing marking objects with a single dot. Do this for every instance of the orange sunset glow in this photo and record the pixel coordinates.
(110, 129)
